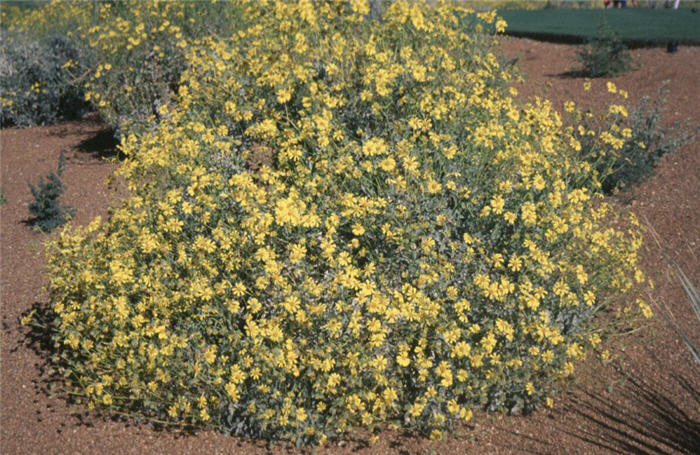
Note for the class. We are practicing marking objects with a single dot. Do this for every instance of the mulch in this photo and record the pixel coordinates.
(646, 401)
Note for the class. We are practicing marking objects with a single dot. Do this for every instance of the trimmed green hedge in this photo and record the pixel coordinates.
(636, 26)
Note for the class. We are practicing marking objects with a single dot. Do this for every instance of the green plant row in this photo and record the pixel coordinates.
(635, 26)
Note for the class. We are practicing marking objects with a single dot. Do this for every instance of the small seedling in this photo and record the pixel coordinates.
(48, 213)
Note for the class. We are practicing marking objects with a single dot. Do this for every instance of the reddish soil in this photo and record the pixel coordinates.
(646, 401)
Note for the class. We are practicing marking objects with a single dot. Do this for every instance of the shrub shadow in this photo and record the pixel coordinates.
(657, 424)
(102, 145)
(102, 142)
(647, 417)
(570, 74)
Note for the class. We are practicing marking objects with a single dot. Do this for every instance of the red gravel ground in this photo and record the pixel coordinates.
(646, 401)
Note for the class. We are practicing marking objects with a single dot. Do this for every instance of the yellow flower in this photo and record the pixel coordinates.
(388, 164)
(529, 388)
(374, 146)
(358, 229)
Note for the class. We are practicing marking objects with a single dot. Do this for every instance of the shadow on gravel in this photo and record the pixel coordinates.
(102, 142)
(102, 145)
(636, 416)
(571, 74)
(36, 324)
(654, 424)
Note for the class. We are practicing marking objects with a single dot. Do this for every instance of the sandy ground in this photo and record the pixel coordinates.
(647, 401)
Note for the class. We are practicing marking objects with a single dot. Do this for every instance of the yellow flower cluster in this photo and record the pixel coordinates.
(340, 222)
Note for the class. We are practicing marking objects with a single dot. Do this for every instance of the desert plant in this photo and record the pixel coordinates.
(649, 141)
(37, 80)
(690, 291)
(47, 211)
(125, 58)
(157, 35)
(410, 249)
(3, 199)
(605, 55)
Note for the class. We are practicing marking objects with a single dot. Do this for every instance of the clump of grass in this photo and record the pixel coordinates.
(47, 211)
(604, 56)
(693, 297)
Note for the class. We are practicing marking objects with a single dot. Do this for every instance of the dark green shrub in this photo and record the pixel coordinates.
(43, 62)
(605, 55)
(48, 213)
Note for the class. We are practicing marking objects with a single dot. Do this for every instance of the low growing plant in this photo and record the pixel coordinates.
(694, 299)
(648, 143)
(690, 291)
(48, 213)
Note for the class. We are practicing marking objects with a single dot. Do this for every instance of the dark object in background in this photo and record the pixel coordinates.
(672, 47)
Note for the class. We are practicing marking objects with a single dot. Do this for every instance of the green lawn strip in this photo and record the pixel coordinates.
(636, 26)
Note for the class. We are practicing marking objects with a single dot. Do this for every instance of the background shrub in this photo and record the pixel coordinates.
(123, 57)
(140, 48)
(42, 63)
(647, 144)
(37, 80)
(605, 55)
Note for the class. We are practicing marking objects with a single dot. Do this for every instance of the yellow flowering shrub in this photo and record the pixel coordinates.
(341, 222)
